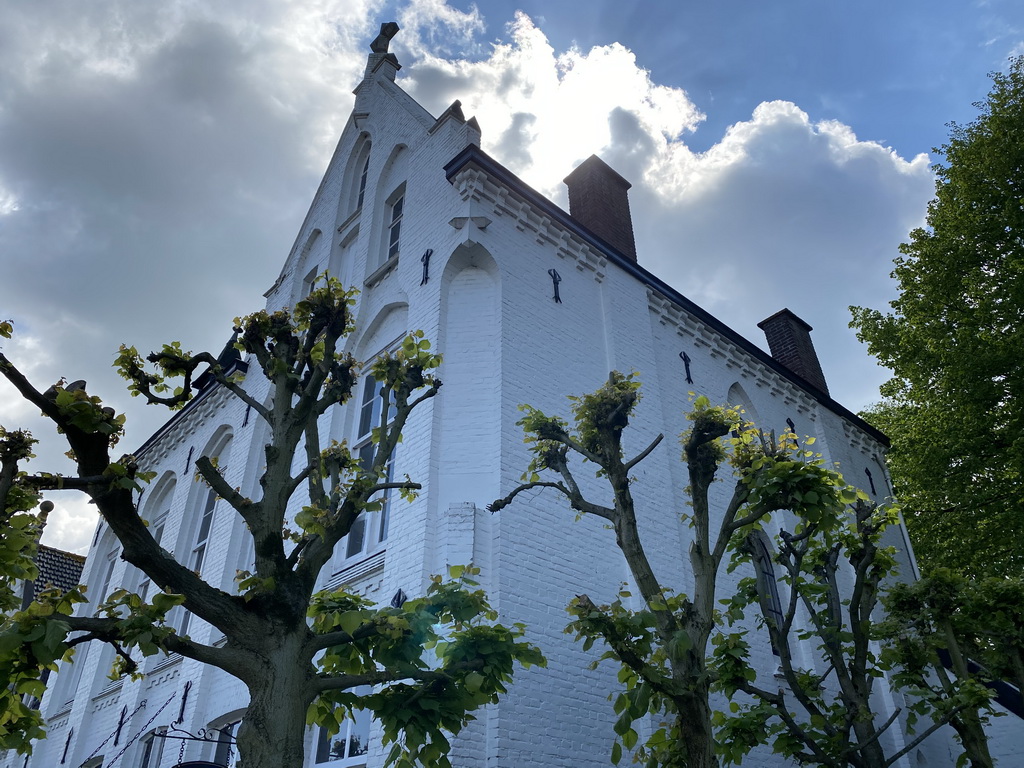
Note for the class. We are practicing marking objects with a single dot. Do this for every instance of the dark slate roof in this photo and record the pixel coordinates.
(57, 568)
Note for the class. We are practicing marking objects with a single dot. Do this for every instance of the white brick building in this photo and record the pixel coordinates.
(440, 237)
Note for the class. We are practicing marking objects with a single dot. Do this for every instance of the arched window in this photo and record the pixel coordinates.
(356, 178)
(738, 396)
(363, 173)
(156, 515)
(767, 583)
(393, 216)
(388, 238)
(225, 750)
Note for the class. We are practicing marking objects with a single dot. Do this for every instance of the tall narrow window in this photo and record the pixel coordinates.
(362, 181)
(226, 753)
(107, 573)
(203, 533)
(202, 541)
(767, 584)
(156, 528)
(395, 211)
(368, 530)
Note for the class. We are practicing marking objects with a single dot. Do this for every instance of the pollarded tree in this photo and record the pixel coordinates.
(947, 633)
(823, 714)
(300, 653)
(663, 647)
(955, 406)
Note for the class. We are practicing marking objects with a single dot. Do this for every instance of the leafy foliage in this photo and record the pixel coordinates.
(301, 654)
(936, 632)
(662, 648)
(954, 406)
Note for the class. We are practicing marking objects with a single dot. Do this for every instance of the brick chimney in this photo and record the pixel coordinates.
(789, 339)
(598, 200)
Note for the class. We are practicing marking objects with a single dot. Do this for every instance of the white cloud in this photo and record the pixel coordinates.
(780, 211)
(8, 202)
(436, 26)
(178, 146)
(71, 524)
(543, 112)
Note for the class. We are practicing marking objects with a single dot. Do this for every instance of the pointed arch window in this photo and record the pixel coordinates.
(767, 582)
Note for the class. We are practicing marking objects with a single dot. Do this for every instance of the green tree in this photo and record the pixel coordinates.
(936, 627)
(823, 715)
(300, 653)
(663, 648)
(955, 406)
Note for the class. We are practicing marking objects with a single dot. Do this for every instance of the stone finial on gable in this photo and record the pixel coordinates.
(381, 43)
(380, 58)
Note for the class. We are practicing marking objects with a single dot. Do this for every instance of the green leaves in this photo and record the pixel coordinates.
(443, 641)
(953, 409)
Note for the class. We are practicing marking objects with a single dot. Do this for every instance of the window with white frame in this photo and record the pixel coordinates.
(226, 753)
(349, 746)
(156, 529)
(106, 574)
(199, 549)
(308, 282)
(153, 748)
(393, 223)
(371, 528)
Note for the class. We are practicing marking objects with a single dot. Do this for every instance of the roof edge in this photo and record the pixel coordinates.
(473, 154)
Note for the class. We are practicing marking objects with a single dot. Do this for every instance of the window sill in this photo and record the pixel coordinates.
(381, 272)
(351, 217)
(350, 572)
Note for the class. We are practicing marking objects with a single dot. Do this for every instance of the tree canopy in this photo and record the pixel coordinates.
(954, 408)
(304, 655)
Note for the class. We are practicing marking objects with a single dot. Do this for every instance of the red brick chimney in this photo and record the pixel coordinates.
(789, 339)
(598, 200)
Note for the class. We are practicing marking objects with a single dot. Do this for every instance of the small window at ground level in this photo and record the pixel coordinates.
(348, 747)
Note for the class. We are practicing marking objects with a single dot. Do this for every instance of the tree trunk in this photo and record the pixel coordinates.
(973, 739)
(871, 753)
(273, 731)
(696, 740)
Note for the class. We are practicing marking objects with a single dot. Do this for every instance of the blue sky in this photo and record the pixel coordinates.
(156, 160)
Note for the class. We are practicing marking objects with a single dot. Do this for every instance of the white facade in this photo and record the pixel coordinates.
(402, 184)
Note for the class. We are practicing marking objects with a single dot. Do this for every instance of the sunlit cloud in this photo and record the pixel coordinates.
(179, 145)
(8, 202)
